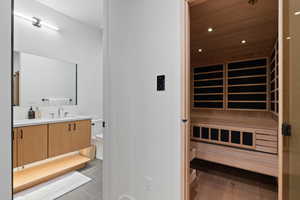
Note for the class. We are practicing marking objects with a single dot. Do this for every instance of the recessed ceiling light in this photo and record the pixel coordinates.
(200, 50)
(243, 41)
(297, 13)
(210, 29)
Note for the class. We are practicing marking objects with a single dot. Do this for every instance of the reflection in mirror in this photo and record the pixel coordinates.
(41, 81)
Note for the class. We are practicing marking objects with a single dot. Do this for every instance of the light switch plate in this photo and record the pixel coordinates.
(161, 85)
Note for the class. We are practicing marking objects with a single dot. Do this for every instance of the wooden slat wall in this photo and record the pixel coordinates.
(238, 85)
(247, 85)
(274, 92)
(208, 87)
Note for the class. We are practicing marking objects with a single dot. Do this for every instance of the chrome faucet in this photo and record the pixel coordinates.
(60, 111)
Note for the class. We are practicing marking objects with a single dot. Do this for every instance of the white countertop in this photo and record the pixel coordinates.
(32, 122)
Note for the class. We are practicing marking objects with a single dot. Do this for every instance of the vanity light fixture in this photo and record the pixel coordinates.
(200, 50)
(24, 17)
(37, 22)
(243, 41)
(210, 29)
(297, 13)
(49, 26)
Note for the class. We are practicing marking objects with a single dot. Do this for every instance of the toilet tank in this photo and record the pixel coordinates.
(97, 137)
(97, 129)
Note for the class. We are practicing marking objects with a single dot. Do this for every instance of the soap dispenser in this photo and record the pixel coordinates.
(38, 113)
(31, 113)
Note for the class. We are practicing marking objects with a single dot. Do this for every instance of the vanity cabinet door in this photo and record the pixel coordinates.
(15, 147)
(81, 136)
(32, 144)
(60, 138)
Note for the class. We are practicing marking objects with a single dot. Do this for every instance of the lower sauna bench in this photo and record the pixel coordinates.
(255, 161)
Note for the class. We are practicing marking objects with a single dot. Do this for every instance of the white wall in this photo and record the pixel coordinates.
(142, 141)
(5, 99)
(75, 42)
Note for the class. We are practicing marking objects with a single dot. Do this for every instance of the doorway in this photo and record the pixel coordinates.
(234, 98)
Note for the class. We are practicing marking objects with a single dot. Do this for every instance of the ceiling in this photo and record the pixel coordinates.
(232, 21)
(87, 11)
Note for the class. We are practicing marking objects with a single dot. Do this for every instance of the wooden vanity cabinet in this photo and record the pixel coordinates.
(31, 144)
(81, 135)
(60, 138)
(36, 143)
(68, 137)
(15, 147)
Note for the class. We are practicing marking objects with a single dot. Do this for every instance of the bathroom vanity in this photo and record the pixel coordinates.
(48, 141)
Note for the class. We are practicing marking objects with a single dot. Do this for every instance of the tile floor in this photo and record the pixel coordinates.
(93, 189)
(215, 184)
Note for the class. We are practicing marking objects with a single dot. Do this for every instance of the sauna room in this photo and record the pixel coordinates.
(234, 99)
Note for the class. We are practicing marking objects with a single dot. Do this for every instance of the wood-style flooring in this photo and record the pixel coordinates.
(218, 182)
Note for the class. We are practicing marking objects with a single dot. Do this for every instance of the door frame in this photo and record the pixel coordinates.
(280, 89)
(185, 98)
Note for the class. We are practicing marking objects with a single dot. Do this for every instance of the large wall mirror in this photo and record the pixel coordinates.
(41, 81)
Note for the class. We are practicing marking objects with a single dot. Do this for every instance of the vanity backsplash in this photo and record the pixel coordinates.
(21, 113)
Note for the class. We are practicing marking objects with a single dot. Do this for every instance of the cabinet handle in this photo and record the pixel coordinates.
(74, 127)
(70, 127)
(21, 134)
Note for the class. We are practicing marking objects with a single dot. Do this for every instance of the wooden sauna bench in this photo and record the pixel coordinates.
(245, 143)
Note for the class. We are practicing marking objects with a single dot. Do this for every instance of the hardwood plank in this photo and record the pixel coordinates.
(219, 182)
(208, 79)
(267, 137)
(252, 76)
(33, 176)
(262, 126)
(213, 86)
(267, 143)
(246, 68)
(266, 132)
(210, 72)
(267, 149)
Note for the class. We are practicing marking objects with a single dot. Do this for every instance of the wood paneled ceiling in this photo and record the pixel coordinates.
(232, 22)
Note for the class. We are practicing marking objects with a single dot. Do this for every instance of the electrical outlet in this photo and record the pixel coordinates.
(126, 197)
(148, 183)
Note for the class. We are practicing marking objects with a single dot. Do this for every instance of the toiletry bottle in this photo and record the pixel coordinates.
(38, 113)
(31, 114)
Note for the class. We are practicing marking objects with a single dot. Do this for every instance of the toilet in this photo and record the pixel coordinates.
(97, 137)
